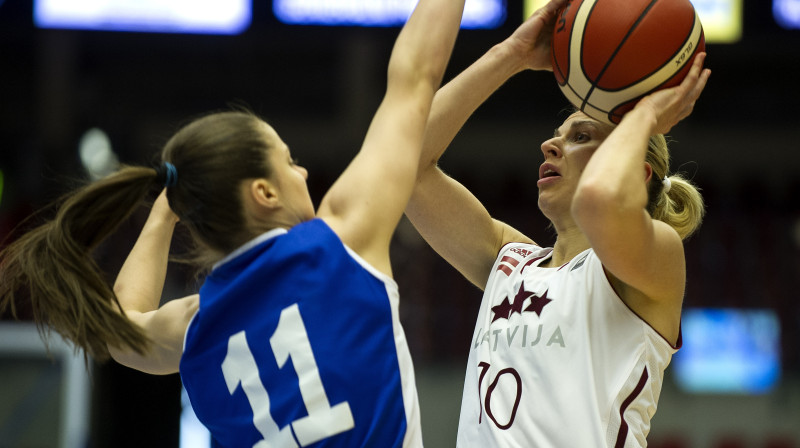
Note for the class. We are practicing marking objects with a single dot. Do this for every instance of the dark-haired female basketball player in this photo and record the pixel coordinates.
(294, 338)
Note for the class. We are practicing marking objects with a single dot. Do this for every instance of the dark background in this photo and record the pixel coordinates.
(319, 86)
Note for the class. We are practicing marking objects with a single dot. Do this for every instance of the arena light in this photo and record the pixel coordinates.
(729, 351)
(161, 16)
(787, 13)
(378, 13)
(722, 19)
(97, 157)
(192, 433)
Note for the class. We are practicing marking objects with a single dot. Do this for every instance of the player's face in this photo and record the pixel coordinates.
(290, 178)
(565, 157)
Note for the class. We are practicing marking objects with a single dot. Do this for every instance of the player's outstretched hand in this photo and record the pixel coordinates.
(535, 36)
(672, 105)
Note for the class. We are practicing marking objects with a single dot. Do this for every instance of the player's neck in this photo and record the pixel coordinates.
(567, 246)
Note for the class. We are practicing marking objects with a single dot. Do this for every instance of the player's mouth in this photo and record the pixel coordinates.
(548, 173)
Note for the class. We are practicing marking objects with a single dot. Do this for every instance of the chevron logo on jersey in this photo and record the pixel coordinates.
(509, 263)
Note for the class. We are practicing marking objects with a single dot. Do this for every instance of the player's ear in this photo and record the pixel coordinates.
(648, 172)
(263, 193)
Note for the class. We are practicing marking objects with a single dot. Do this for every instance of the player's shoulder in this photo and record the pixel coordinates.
(523, 250)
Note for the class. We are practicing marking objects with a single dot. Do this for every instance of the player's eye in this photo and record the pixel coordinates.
(581, 137)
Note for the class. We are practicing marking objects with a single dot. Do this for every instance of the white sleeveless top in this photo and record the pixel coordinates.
(558, 360)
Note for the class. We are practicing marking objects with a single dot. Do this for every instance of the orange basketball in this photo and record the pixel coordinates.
(608, 54)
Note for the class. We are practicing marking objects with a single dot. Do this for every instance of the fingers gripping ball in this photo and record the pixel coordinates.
(608, 54)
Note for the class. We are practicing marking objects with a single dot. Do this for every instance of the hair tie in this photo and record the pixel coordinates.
(167, 174)
(667, 184)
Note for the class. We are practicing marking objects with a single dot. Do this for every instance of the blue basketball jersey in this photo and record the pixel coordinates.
(297, 342)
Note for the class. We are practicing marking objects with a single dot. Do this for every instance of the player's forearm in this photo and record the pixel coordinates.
(613, 181)
(423, 48)
(456, 101)
(141, 280)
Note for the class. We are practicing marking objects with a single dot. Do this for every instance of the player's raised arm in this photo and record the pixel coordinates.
(138, 288)
(611, 200)
(365, 204)
(446, 214)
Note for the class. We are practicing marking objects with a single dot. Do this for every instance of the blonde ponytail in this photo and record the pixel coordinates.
(681, 205)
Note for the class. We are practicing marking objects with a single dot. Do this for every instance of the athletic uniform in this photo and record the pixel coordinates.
(558, 360)
(297, 342)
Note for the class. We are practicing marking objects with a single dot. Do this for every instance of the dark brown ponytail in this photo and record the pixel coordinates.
(52, 265)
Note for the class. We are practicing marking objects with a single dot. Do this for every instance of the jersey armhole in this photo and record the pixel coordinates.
(611, 287)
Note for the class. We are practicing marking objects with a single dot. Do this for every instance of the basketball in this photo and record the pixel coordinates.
(608, 54)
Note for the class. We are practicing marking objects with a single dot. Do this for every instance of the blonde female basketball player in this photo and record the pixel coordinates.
(294, 338)
(571, 341)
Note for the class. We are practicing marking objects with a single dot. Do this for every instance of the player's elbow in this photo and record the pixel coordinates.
(603, 206)
(594, 203)
(412, 75)
(149, 362)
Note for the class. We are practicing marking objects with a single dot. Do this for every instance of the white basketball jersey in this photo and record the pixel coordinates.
(558, 360)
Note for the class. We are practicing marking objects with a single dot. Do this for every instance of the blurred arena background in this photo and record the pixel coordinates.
(75, 102)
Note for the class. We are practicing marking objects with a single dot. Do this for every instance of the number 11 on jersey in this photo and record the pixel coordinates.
(290, 339)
